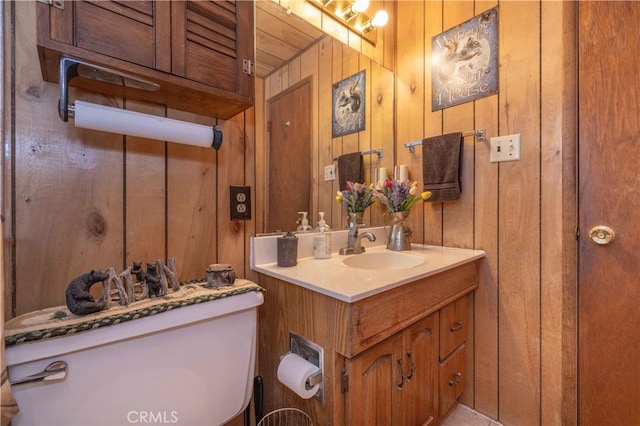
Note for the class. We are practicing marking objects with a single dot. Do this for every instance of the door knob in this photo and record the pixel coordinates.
(602, 234)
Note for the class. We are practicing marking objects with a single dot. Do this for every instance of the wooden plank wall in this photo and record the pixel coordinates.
(522, 214)
(76, 200)
(518, 212)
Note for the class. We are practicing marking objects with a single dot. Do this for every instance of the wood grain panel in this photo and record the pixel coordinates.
(249, 179)
(485, 234)
(230, 244)
(519, 217)
(381, 121)
(410, 89)
(558, 96)
(326, 190)
(145, 194)
(432, 119)
(191, 204)
(68, 186)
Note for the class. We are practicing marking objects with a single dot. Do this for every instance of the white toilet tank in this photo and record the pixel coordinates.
(189, 365)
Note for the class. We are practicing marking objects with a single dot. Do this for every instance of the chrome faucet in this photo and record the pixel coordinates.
(354, 241)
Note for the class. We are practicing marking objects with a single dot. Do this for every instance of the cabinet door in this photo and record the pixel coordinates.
(134, 31)
(210, 40)
(375, 384)
(420, 392)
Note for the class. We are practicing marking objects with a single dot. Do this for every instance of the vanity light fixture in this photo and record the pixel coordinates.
(353, 14)
(379, 20)
(358, 6)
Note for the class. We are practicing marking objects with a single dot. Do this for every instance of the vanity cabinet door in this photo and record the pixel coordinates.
(211, 40)
(420, 391)
(133, 31)
(375, 383)
(396, 381)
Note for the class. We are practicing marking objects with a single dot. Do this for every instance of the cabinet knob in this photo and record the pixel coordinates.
(456, 326)
(456, 379)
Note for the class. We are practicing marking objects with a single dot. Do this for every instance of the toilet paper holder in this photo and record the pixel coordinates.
(313, 353)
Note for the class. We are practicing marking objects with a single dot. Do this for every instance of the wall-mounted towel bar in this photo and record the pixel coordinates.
(481, 136)
(371, 151)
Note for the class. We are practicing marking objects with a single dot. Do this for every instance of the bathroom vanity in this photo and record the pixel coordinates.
(393, 332)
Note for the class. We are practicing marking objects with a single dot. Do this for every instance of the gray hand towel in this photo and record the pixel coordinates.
(350, 168)
(442, 166)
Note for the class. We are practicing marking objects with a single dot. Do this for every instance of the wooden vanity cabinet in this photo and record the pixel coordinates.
(382, 354)
(197, 51)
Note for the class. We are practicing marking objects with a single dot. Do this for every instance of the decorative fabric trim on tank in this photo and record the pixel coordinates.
(59, 321)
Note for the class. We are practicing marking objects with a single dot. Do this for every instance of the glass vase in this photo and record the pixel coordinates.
(400, 232)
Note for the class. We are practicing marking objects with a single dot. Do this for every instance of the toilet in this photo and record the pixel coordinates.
(188, 366)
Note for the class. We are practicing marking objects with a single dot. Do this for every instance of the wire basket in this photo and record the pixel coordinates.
(286, 417)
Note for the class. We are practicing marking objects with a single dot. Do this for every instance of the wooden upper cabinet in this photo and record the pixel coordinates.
(195, 50)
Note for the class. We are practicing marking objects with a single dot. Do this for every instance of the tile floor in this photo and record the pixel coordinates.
(462, 415)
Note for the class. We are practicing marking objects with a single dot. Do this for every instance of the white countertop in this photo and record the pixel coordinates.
(333, 278)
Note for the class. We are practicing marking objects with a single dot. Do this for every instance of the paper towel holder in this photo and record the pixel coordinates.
(71, 68)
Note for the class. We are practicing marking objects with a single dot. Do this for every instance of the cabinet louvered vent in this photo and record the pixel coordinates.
(141, 11)
(211, 27)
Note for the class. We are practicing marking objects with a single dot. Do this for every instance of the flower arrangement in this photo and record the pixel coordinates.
(357, 197)
(397, 195)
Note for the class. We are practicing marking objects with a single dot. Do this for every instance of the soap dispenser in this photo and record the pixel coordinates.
(322, 240)
(304, 223)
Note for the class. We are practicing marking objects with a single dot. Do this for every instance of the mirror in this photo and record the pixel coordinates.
(290, 52)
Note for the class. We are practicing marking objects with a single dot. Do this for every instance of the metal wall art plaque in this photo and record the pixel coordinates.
(349, 105)
(465, 62)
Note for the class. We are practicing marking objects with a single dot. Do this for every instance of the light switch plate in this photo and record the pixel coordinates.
(329, 173)
(505, 148)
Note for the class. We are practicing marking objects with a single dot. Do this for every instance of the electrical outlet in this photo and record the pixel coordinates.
(329, 173)
(505, 148)
(240, 202)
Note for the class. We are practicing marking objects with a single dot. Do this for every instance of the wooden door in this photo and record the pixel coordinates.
(609, 195)
(289, 158)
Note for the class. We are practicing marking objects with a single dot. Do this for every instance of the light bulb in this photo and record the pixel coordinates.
(360, 5)
(380, 19)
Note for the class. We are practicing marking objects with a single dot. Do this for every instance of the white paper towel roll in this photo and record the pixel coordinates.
(116, 120)
(293, 372)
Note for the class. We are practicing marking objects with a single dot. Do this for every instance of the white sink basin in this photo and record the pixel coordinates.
(384, 260)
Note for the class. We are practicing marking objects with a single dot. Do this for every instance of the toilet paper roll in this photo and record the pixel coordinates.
(401, 172)
(381, 174)
(125, 122)
(293, 372)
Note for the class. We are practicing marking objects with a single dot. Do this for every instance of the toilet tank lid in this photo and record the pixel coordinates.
(59, 321)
